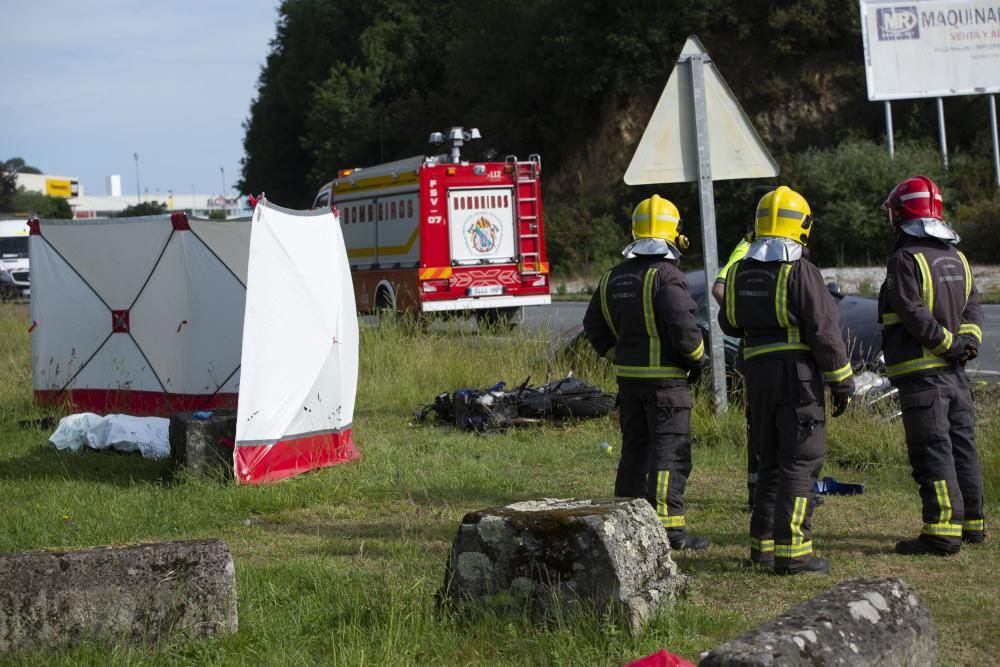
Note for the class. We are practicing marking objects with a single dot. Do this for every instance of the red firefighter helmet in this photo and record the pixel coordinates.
(914, 198)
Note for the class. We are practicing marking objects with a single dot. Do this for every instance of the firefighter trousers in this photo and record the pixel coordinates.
(656, 448)
(786, 408)
(939, 419)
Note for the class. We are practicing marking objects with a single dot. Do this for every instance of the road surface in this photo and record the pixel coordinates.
(562, 316)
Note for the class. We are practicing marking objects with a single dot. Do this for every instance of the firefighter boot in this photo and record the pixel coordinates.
(814, 565)
(918, 546)
(973, 536)
(683, 541)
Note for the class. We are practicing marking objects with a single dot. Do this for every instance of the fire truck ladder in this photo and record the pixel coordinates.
(527, 204)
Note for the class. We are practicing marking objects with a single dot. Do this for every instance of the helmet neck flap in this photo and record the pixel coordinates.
(775, 249)
(931, 229)
(651, 247)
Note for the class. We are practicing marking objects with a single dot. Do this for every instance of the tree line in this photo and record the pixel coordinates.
(350, 84)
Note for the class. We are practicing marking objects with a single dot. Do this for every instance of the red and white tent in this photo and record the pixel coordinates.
(155, 315)
(137, 315)
(300, 347)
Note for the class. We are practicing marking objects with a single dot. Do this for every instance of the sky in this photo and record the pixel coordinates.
(85, 85)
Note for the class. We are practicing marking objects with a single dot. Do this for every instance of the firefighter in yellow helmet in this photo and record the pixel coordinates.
(776, 301)
(718, 293)
(642, 317)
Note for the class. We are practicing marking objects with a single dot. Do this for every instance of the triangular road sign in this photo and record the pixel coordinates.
(668, 150)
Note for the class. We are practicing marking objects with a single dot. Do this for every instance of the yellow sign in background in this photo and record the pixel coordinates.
(58, 187)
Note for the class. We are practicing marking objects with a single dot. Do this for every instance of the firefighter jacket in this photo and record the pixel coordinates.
(643, 309)
(927, 300)
(784, 310)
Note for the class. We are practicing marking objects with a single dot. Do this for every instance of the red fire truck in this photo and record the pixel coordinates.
(435, 233)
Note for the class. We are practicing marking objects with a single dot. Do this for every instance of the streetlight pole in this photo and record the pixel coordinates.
(138, 188)
(222, 170)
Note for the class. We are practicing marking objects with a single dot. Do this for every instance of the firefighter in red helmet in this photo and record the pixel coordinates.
(775, 299)
(932, 324)
(642, 317)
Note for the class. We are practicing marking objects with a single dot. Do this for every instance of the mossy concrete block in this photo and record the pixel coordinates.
(858, 622)
(611, 556)
(138, 593)
(203, 446)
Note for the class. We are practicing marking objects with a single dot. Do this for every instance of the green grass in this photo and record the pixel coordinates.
(572, 296)
(989, 296)
(341, 566)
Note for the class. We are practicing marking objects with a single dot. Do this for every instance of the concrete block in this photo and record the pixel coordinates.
(858, 622)
(121, 593)
(203, 446)
(611, 556)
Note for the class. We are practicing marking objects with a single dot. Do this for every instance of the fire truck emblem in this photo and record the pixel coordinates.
(482, 234)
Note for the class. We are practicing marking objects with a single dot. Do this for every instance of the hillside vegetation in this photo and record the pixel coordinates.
(353, 84)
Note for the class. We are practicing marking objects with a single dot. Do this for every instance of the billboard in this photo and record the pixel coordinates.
(931, 48)
(61, 187)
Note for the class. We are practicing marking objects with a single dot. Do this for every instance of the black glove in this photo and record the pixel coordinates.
(958, 353)
(697, 369)
(971, 346)
(841, 399)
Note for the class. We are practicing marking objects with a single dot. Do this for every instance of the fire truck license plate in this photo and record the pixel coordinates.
(485, 290)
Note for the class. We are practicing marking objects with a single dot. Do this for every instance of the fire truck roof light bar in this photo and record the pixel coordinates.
(457, 137)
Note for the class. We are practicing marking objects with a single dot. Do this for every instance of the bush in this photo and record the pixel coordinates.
(144, 208)
(580, 241)
(40, 205)
(978, 223)
(846, 185)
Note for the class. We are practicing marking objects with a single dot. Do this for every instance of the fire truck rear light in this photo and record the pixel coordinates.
(432, 286)
(344, 172)
(451, 171)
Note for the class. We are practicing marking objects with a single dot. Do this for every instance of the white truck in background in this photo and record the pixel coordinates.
(15, 278)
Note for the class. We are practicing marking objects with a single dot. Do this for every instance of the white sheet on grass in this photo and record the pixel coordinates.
(150, 436)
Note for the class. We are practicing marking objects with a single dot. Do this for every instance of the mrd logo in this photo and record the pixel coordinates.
(898, 23)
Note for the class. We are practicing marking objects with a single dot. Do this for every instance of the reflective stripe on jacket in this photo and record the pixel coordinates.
(784, 308)
(927, 300)
(642, 308)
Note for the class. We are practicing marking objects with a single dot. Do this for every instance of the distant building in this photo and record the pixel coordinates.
(47, 184)
(104, 206)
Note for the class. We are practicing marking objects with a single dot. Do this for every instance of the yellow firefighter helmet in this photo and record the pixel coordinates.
(784, 212)
(658, 218)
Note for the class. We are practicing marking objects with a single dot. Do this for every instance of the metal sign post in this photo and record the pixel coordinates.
(888, 130)
(706, 200)
(996, 142)
(942, 137)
